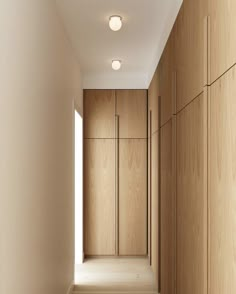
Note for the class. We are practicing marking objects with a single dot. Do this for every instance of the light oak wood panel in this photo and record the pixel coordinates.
(99, 114)
(222, 185)
(133, 197)
(99, 196)
(189, 48)
(192, 198)
(153, 105)
(167, 80)
(132, 111)
(155, 205)
(222, 36)
(168, 209)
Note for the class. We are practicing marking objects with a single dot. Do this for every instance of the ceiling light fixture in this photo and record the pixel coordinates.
(116, 64)
(115, 23)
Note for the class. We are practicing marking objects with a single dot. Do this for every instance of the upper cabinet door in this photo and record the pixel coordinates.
(153, 105)
(132, 111)
(167, 80)
(190, 49)
(99, 114)
(222, 36)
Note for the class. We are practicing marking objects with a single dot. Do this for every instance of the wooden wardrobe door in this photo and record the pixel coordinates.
(192, 198)
(99, 196)
(99, 114)
(189, 48)
(132, 196)
(168, 209)
(153, 103)
(222, 185)
(132, 111)
(167, 80)
(222, 36)
(155, 205)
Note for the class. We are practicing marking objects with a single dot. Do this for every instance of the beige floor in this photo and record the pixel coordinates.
(115, 274)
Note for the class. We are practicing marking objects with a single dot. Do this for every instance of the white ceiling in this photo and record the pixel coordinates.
(139, 44)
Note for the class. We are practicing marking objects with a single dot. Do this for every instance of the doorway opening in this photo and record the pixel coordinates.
(78, 189)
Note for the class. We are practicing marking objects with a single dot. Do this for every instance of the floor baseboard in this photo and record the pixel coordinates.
(71, 288)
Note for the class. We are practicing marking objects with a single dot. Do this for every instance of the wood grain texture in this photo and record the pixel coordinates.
(168, 209)
(167, 83)
(155, 205)
(189, 48)
(222, 185)
(99, 114)
(222, 36)
(192, 198)
(99, 196)
(133, 197)
(115, 275)
(153, 96)
(132, 110)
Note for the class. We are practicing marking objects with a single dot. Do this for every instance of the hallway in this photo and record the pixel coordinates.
(117, 147)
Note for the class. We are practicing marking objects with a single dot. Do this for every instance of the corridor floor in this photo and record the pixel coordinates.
(115, 274)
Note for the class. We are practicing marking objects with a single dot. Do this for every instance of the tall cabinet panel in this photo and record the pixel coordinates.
(155, 205)
(99, 114)
(222, 36)
(133, 197)
(131, 106)
(99, 196)
(192, 198)
(168, 208)
(222, 185)
(190, 50)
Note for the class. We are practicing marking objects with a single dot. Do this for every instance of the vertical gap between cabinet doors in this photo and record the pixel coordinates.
(147, 175)
(116, 178)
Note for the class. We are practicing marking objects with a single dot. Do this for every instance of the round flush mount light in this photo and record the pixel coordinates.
(115, 23)
(116, 64)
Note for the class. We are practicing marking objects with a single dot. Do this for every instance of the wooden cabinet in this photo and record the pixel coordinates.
(115, 172)
(192, 198)
(99, 196)
(99, 114)
(222, 36)
(132, 111)
(132, 196)
(168, 207)
(222, 184)
(155, 205)
(190, 50)
(167, 80)
(153, 102)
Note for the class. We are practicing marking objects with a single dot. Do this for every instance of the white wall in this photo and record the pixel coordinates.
(39, 78)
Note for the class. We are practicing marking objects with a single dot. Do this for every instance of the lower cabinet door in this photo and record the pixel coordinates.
(132, 197)
(222, 185)
(155, 205)
(99, 196)
(168, 208)
(192, 198)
